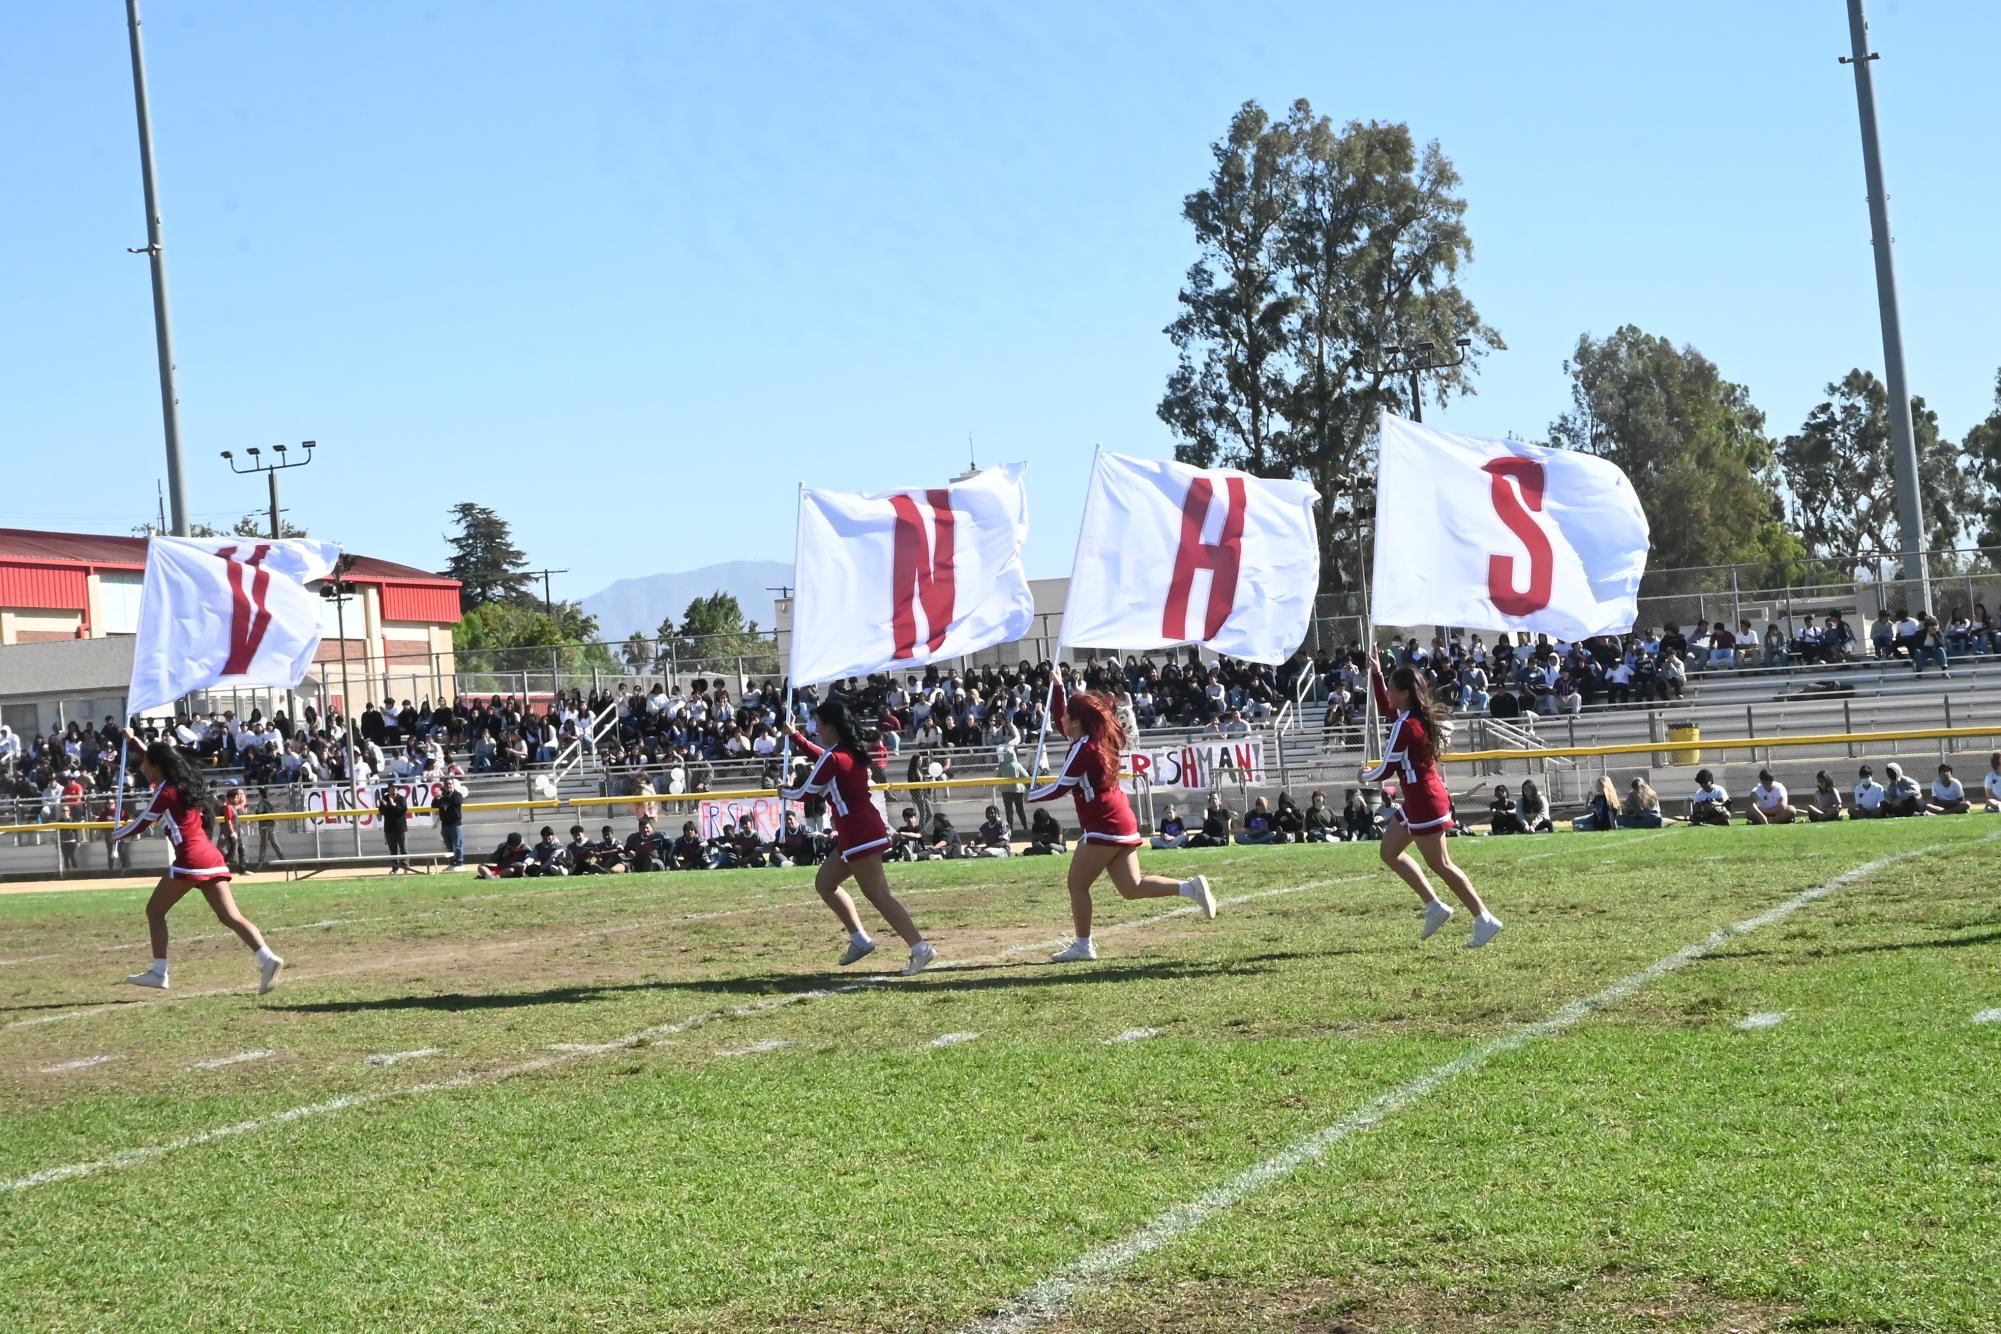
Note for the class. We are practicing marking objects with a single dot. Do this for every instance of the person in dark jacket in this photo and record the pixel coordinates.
(393, 809)
(450, 806)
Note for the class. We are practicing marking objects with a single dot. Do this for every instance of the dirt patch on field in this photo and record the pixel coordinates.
(1325, 1307)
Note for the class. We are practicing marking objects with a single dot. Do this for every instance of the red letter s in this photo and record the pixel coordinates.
(1518, 515)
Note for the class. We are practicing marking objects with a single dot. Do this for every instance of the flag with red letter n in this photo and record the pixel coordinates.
(1498, 535)
(1172, 554)
(225, 612)
(896, 579)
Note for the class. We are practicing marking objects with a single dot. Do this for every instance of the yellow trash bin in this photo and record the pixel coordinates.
(1685, 732)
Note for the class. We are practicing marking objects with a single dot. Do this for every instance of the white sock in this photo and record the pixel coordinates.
(264, 954)
(160, 967)
(1485, 916)
(1188, 889)
(859, 939)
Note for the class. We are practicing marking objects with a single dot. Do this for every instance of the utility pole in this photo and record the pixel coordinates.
(555, 653)
(1903, 440)
(155, 251)
(271, 471)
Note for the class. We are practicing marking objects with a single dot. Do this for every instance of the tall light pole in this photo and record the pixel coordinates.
(1903, 440)
(155, 251)
(271, 471)
(337, 590)
(1418, 358)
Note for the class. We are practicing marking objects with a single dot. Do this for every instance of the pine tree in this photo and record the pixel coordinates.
(485, 561)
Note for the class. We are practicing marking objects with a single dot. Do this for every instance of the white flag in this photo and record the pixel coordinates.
(1172, 554)
(225, 612)
(899, 579)
(1498, 535)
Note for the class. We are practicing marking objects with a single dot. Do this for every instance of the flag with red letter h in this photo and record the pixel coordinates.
(895, 579)
(1172, 554)
(1499, 535)
(225, 612)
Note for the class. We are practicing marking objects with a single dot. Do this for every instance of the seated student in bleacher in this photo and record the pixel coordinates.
(1534, 809)
(1722, 647)
(1710, 803)
(507, 861)
(1929, 645)
(993, 835)
(1992, 780)
(1502, 817)
(1258, 825)
(1358, 822)
(1217, 821)
(1602, 815)
(1903, 798)
(1642, 807)
(1807, 645)
(1836, 638)
(1173, 832)
(688, 852)
(1824, 805)
(1948, 794)
(1321, 825)
(1869, 795)
(1045, 836)
(1767, 803)
(1883, 634)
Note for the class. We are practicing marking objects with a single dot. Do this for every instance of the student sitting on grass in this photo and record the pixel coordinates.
(1904, 797)
(1173, 831)
(578, 854)
(1321, 825)
(907, 839)
(1603, 813)
(1869, 795)
(1710, 803)
(1534, 809)
(1948, 794)
(1291, 824)
(1502, 815)
(941, 841)
(1216, 823)
(1992, 779)
(1824, 805)
(1258, 826)
(1642, 807)
(688, 852)
(1768, 804)
(1358, 822)
(994, 836)
(508, 860)
(1045, 836)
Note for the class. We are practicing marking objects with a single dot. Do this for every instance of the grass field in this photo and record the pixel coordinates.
(653, 1103)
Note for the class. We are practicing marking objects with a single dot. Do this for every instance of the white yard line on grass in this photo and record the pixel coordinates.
(1134, 1035)
(563, 1054)
(757, 1048)
(398, 1057)
(218, 1062)
(1051, 1298)
(1763, 1019)
(952, 1039)
(81, 1063)
(1988, 1017)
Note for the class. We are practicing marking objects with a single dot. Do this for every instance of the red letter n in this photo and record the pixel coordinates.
(1221, 560)
(923, 572)
(1519, 516)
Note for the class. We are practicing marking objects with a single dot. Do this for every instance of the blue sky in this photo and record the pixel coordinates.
(629, 272)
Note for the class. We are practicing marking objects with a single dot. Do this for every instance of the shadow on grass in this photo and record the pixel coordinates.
(1880, 947)
(973, 977)
(68, 1005)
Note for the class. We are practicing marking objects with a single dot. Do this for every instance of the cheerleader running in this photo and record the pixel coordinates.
(1426, 812)
(841, 774)
(178, 804)
(1111, 839)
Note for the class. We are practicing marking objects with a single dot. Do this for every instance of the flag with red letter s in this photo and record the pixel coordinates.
(225, 612)
(1498, 535)
(896, 579)
(1173, 554)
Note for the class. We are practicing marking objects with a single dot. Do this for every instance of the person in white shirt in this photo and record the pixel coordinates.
(1711, 802)
(1768, 801)
(1948, 794)
(1992, 778)
(1869, 794)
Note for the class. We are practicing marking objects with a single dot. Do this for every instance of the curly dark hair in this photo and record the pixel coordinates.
(175, 770)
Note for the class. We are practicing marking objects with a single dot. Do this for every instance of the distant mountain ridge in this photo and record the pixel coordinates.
(642, 603)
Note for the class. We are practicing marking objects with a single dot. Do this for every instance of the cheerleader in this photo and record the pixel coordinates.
(1426, 813)
(841, 774)
(1111, 839)
(178, 805)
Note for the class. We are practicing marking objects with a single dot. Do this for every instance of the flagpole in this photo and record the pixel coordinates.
(791, 692)
(1369, 720)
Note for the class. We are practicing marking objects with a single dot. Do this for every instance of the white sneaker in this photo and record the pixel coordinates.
(149, 978)
(921, 955)
(1083, 951)
(857, 952)
(1198, 890)
(1484, 930)
(267, 974)
(1436, 914)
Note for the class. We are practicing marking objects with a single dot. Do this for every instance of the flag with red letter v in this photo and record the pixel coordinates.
(225, 612)
(1498, 535)
(895, 579)
(1173, 554)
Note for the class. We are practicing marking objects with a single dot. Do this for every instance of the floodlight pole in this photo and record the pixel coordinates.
(155, 251)
(1903, 440)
